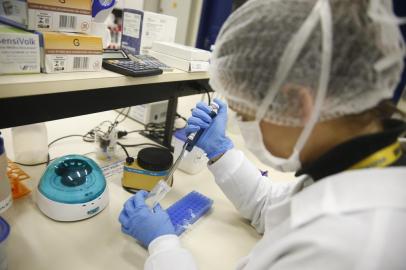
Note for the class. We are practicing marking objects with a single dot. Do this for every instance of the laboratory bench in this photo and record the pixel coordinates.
(33, 98)
(37, 242)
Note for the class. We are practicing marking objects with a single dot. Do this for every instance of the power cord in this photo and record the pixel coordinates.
(208, 95)
(121, 113)
(151, 129)
(130, 159)
(48, 157)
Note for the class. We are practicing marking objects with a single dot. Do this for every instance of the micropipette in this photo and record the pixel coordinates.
(160, 190)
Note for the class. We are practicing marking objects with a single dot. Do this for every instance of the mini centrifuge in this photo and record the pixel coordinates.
(72, 188)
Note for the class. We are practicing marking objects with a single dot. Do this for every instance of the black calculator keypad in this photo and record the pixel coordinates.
(131, 68)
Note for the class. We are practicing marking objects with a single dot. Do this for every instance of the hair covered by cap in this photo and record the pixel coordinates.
(253, 39)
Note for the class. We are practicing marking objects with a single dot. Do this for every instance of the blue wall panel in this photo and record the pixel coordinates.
(214, 14)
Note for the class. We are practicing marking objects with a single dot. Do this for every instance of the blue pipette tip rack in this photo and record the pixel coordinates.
(188, 210)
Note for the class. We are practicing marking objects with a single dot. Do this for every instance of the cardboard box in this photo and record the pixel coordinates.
(181, 51)
(63, 52)
(182, 64)
(48, 15)
(19, 51)
(142, 28)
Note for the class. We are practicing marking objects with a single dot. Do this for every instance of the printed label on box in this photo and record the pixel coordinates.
(132, 31)
(19, 53)
(57, 21)
(43, 21)
(72, 52)
(199, 66)
(72, 6)
(132, 24)
(56, 63)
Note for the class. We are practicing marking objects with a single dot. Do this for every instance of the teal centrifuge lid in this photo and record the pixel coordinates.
(72, 179)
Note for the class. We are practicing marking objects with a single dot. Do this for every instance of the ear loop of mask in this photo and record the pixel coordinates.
(321, 10)
(327, 55)
(381, 12)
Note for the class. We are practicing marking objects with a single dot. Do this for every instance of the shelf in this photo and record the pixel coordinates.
(12, 86)
(27, 99)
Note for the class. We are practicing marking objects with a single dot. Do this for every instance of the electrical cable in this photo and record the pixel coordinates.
(34, 164)
(125, 150)
(121, 113)
(130, 190)
(156, 130)
(64, 137)
(181, 117)
(48, 156)
(135, 131)
(208, 95)
(144, 144)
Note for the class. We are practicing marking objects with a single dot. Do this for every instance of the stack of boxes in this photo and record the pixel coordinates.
(142, 28)
(182, 57)
(57, 36)
(52, 36)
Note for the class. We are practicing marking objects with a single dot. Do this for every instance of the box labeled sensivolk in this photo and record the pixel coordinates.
(19, 51)
(64, 52)
(142, 28)
(48, 15)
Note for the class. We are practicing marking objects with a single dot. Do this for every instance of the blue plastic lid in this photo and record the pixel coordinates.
(72, 179)
(4, 230)
(181, 134)
(1, 145)
(99, 5)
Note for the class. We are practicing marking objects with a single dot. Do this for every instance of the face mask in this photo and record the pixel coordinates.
(253, 139)
(251, 130)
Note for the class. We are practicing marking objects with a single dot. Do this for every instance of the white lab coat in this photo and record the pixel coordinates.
(351, 220)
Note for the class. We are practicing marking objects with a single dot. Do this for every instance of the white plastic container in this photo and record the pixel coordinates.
(5, 190)
(4, 233)
(193, 162)
(30, 143)
(106, 144)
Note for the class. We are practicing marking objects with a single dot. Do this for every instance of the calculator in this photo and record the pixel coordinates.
(119, 62)
(150, 60)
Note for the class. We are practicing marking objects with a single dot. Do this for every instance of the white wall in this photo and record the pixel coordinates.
(181, 10)
(135, 4)
(188, 14)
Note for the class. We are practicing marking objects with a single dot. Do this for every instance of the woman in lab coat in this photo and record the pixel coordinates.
(307, 79)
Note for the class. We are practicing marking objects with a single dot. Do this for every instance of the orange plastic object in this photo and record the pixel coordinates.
(16, 175)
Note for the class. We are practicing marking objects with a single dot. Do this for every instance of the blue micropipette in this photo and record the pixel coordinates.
(153, 199)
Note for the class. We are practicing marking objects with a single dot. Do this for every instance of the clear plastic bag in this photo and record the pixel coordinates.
(30, 143)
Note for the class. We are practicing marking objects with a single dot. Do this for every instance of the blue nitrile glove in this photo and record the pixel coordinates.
(139, 221)
(213, 140)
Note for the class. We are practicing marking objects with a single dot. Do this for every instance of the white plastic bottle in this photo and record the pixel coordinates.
(30, 143)
(5, 189)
